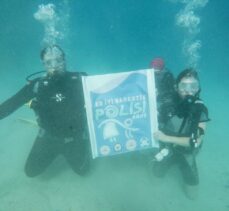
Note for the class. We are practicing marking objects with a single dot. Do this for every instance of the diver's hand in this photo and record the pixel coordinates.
(160, 136)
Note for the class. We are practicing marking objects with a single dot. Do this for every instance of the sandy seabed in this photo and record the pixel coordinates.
(119, 183)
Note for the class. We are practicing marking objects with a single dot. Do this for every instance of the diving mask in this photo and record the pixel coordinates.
(189, 87)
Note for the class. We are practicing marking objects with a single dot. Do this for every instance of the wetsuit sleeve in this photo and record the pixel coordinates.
(17, 100)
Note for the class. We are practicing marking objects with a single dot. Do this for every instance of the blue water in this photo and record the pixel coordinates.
(112, 36)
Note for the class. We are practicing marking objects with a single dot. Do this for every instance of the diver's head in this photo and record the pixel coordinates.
(157, 64)
(187, 84)
(53, 59)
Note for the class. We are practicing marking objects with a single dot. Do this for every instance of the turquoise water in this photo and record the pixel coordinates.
(113, 36)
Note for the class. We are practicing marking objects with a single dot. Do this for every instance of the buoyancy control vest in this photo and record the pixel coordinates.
(59, 103)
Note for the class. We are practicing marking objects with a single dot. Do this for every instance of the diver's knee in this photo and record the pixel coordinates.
(191, 191)
(83, 169)
(31, 172)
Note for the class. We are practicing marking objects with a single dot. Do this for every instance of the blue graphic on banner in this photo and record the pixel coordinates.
(121, 117)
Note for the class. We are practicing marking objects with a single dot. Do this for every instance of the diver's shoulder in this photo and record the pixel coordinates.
(33, 82)
(199, 102)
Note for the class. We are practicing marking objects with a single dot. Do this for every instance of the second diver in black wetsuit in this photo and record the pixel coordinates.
(58, 102)
(182, 131)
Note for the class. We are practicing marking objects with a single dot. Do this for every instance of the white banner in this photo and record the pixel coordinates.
(121, 111)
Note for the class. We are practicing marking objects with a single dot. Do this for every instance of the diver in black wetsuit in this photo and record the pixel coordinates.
(58, 102)
(182, 131)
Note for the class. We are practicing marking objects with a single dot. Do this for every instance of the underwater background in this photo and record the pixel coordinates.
(104, 37)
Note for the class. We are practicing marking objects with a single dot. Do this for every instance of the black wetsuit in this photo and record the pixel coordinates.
(59, 106)
(183, 121)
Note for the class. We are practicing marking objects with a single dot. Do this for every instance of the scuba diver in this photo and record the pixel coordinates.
(181, 134)
(58, 102)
